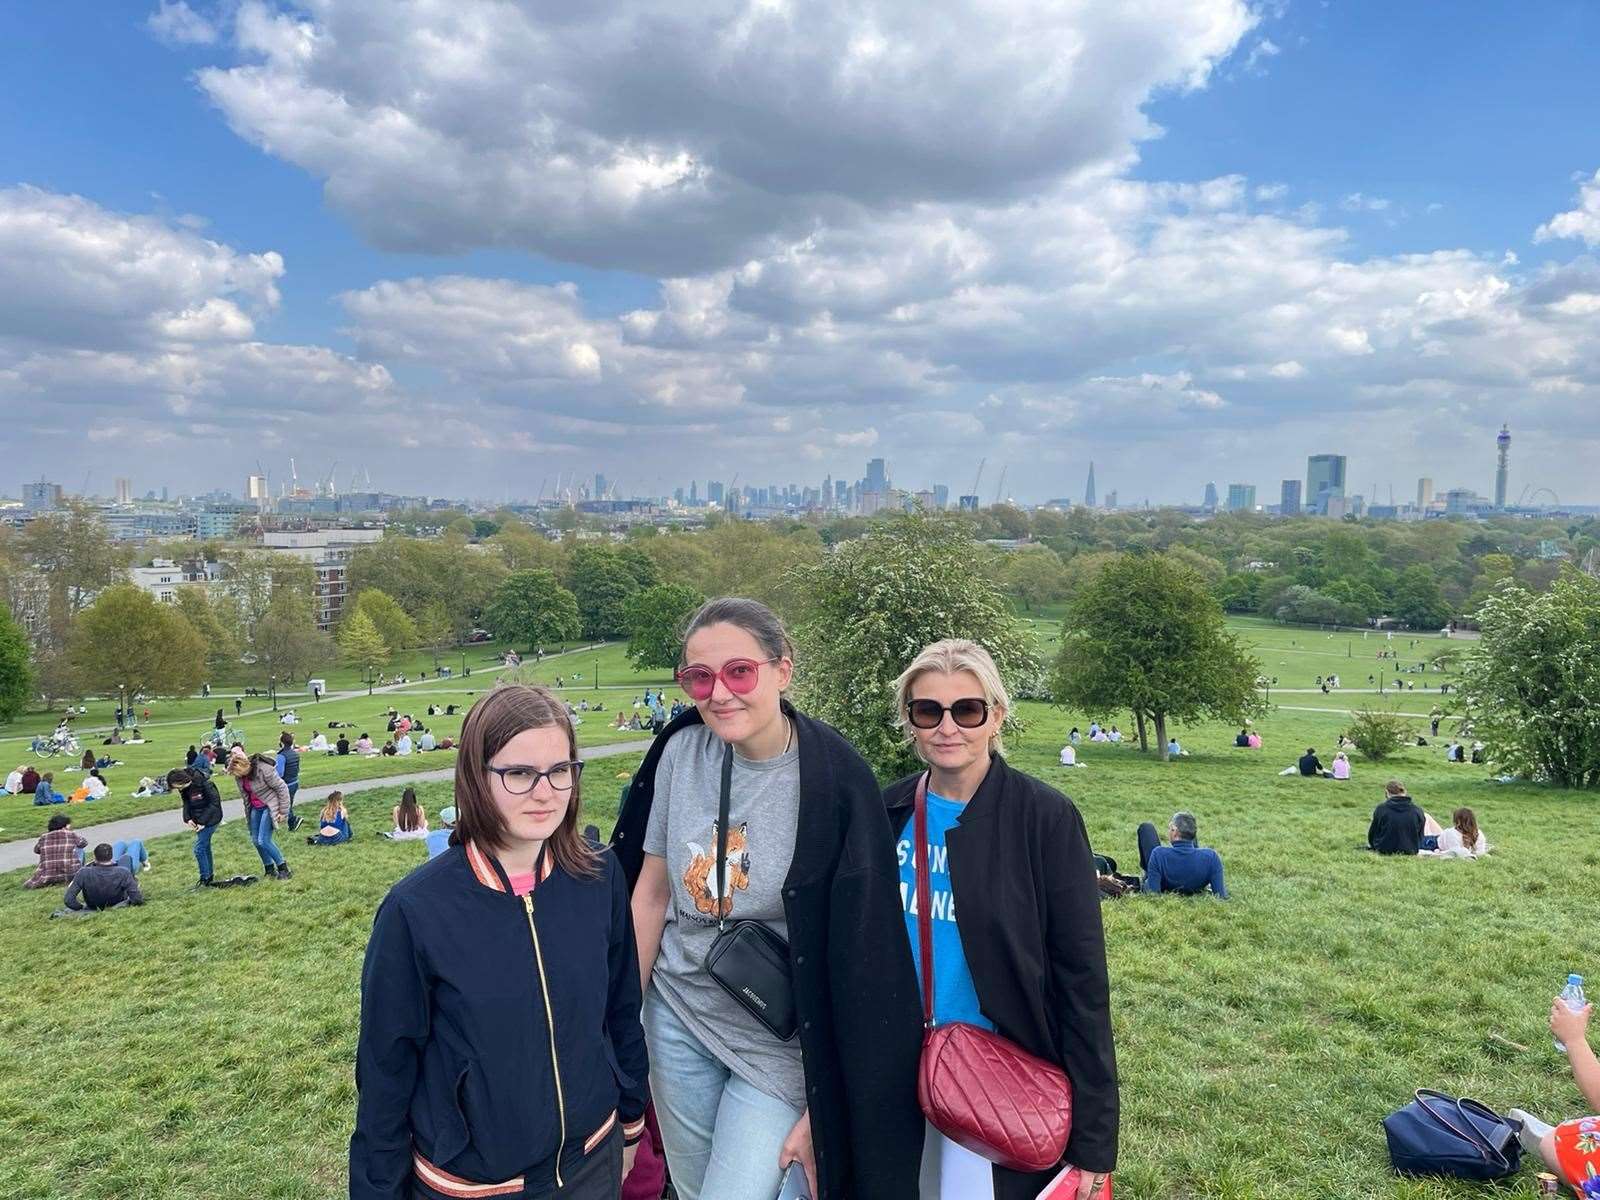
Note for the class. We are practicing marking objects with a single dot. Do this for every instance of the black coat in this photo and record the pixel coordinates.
(202, 803)
(855, 986)
(1028, 907)
(1396, 827)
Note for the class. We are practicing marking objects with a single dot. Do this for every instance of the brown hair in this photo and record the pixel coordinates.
(1466, 823)
(498, 716)
(408, 816)
(752, 616)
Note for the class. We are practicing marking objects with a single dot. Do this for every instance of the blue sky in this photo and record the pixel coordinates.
(795, 235)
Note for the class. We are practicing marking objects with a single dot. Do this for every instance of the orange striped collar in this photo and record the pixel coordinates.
(488, 871)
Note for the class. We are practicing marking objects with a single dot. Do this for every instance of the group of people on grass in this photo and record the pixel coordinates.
(745, 810)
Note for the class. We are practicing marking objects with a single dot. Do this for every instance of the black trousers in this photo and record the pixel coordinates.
(598, 1178)
(1149, 839)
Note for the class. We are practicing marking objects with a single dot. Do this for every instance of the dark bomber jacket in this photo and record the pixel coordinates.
(500, 1039)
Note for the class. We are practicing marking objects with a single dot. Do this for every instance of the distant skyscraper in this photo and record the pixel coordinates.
(1324, 479)
(941, 495)
(967, 503)
(1241, 497)
(1503, 442)
(255, 488)
(877, 475)
(1424, 492)
(124, 491)
(1210, 502)
(714, 491)
(599, 486)
(1289, 504)
(1088, 491)
(40, 495)
(1111, 498)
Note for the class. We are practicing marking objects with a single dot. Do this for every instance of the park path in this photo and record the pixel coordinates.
(20, 853)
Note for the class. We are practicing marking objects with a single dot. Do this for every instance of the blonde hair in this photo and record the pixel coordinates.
(950, 657)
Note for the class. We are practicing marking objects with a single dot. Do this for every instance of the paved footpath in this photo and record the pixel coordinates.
(153, 825)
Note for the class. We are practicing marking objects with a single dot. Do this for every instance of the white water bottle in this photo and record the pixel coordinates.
(1572, 997)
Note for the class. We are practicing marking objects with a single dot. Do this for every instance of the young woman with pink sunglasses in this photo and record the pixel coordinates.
(807, 855)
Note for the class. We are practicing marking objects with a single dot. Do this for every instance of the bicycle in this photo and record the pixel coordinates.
(56, 743)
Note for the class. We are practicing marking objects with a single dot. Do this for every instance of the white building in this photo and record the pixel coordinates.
(329, 551)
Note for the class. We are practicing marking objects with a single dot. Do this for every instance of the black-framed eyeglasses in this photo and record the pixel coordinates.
(520, 780)
(969, 713)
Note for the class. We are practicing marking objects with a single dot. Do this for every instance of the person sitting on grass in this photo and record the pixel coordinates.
(1310, 765)
(439, 839)
(58, 850)
(102, 884)
(410, 819)
(1397, 824)
(1175, 749)
(92, 788)
(1242, 739)
(1462, 840)
(318, 742)
(427, 742)
(1341, 766)
(14, 781)
(402, 744)
(88, 761)
(342, 746)
(364, 744)
(1184, 866)
(131, 854)
(389, 750)
(1114, 736)
(44, 792)
(1570, 1150)
(333, 826)
(1255, 740)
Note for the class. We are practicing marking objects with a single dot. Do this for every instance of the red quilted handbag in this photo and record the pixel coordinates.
(980, 1090)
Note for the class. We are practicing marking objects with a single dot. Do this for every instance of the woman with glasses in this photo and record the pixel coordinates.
(749, 820)
(1014, 910)
(500, 1051)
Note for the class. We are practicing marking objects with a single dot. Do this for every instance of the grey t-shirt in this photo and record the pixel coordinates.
(764, 804)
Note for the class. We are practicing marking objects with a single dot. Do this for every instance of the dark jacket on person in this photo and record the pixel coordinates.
(1028, 907)
(500, 1040)
(1396, 826)
(855, 988)
(288, 764)
(103, 885)
(202, 803)
(1310, 764)
(30, 780)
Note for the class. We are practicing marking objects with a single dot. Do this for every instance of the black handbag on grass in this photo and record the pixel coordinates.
(1437, 1134)
(748, 960)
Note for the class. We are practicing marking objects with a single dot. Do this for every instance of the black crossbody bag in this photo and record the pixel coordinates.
(748, 960)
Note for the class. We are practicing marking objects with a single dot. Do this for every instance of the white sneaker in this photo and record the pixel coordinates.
(146, 866)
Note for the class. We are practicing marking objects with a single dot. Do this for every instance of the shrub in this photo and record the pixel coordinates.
(1378, 733)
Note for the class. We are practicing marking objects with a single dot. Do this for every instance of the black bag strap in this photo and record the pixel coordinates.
(722, 830)
(1472, 1133)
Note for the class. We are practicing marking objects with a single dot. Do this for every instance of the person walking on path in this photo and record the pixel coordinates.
(500, 1051)
(266, 805)
(808, 855)
(1014, 905)
(202, 812)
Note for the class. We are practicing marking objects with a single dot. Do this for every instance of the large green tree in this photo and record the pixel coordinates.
(1418, 601)
(361, 645)
(399, 631)
(656, 617)
(287, 643)
(603, 585)
(449, 572)
(127, 639)
(1531, 681)
(1147, 636)
(16, 673)
(222, 647)
(867, 609)
(533, 609)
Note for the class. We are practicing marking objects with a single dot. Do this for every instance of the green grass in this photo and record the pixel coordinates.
(202, 1046)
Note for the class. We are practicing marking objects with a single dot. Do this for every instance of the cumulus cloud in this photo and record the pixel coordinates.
(1582, 222)
(674, 138)
(105, 314)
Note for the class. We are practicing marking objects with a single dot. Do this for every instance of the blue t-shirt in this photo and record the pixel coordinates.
(438, 841)
(954, 996)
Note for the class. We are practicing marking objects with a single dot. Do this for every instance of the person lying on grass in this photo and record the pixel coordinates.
(1572, 1148)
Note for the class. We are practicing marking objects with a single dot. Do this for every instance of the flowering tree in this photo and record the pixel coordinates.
(865, 610)
(1532, 683)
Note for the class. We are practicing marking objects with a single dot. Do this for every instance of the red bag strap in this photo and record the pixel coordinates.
(924, 888)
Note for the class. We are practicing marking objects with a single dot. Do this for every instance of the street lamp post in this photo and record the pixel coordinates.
(465, 670)
(369, 679)
(597, 674)
(272, 691)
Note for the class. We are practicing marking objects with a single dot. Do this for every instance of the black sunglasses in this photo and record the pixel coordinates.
(519, 780)
(969, 713)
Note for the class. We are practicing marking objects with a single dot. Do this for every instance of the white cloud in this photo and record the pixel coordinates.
(1582, 222)
(1357, 202)
(1264, 49)
(176, 24)
(673, 138)
(1268, 192)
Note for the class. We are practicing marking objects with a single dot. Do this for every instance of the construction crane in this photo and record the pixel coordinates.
(332, 490)
(976, 479)
(1001, 490)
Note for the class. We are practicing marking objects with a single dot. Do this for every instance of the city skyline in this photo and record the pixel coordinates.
(260, 231)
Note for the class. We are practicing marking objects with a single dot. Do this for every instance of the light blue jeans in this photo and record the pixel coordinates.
(722, 1136)
(132, 855)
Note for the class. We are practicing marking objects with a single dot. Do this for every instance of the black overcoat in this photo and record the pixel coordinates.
(855, 986)
(1028, 908)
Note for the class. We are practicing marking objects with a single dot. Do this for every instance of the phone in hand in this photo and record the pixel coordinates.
(794, 1184)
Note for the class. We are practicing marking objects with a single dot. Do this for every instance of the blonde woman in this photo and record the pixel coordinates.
(1017, 941)
(266, 805)
(333, 825)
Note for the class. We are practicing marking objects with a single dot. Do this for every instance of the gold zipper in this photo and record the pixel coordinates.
(550, 1022)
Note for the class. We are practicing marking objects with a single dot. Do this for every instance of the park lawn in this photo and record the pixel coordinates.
(19, 817)
(1260, 1041)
